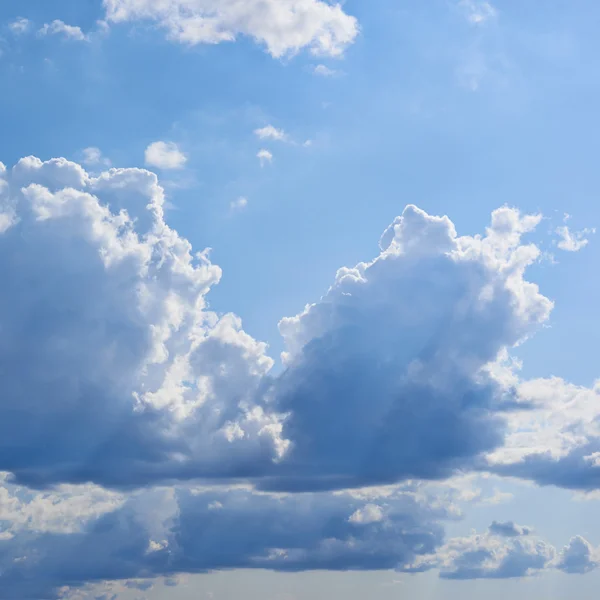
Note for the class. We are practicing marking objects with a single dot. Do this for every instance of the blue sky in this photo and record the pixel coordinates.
(286, 137)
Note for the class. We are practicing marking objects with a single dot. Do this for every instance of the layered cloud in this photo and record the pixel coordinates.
(166, 532)
(116, 374)
(282, 26)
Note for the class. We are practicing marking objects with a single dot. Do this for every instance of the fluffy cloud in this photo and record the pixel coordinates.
(509, 529)
(555, 438)
(414, 332)
(269, 132)
(20, 25)
(165, 155)
(573, 241)
(114, 371)
(265, 157)
(283, 26)
(58, 27)
(489, 557)
(578, 557)
(93, 157)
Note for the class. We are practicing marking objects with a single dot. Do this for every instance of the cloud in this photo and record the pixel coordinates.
(271, 133)
(413, 331)
(573, 241)
(20, 25)
(324, 71)
(93, 156)
(283, 26)
(478, 12)
(239, 204)
(265, 157)
(58, 27)
(578, 557)
(165, 155)
(509, 529)
(488, 557)
(251, 531)
(119, 339)
(555, 438)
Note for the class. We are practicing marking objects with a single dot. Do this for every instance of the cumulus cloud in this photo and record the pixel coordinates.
(488, 557)
(508, 529)
(265, 157)
(555, 438)
(413, 331)
(58, 27)
(269, 132)
(20, 25)
(573, 241)
(126, 372)
(578, 557)
(282, 26)
(165, 155)
(118, 339)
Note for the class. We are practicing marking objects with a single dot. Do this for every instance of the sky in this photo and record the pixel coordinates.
(298, 299)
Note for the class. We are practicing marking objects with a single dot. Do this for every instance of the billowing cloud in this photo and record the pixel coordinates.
(413, 332)
(165, 155)
(578, 557)
(114, 371)
(282, 26)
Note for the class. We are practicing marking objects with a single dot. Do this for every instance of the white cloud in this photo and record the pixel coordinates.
(324, 71)
(573, 241)
(20, 25)
(58, 27)
(238, 204)
(371, 513)
(271, 133)
(265, 157)
(478, 12)
(93, 156)
(283, 26)
(165, 155)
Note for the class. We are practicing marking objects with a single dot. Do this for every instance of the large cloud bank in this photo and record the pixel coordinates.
(116, 378)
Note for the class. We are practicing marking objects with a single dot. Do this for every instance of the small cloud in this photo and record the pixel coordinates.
(92, 156)
(265, 157)
(271, 133)
(324, 71)
(371, 513)
(165, 155)
(478, 11)
(509, 529)
(573, 241)
(57, 27)
(498, 497)
(20, 25)
(237, 205)
(308, 143)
